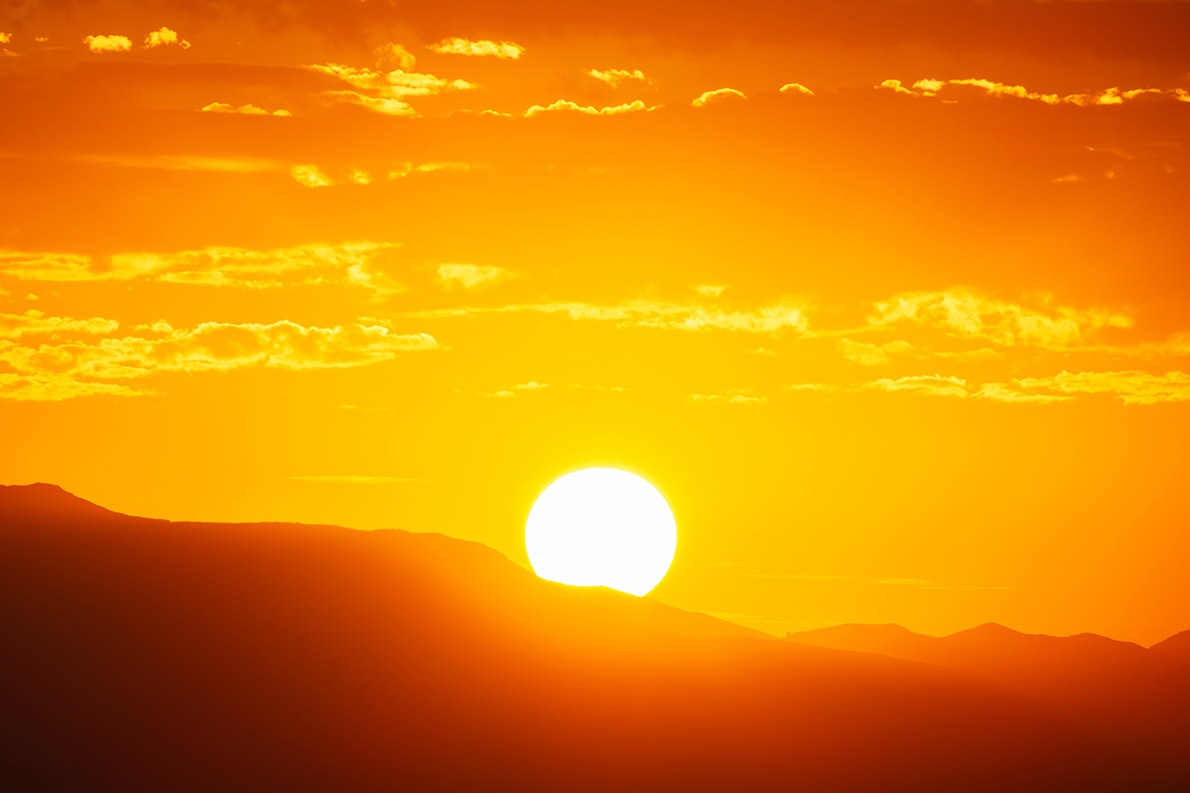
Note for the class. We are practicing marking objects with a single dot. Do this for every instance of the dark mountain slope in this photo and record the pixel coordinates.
(145, 655)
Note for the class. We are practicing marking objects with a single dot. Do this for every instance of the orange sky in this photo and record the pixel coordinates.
(889, 299)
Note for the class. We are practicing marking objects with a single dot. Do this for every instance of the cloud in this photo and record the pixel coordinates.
(564, 105)
(313, 176)
(614, 77)
(46, 266)
(509, 393)
(1132, 387)
(872, 354)
(968, 314)
(248, 110)
(471, 276)
(5, 38)
(63, 370)
(36, 323)
(1108, 96)
(385, 91)
(484, 47)
(102, 44)
(718, 95)
(795, 88)
(384, 105)
(772, 319)
(406, 168)
(395, 55)
(1004, 393)
(179, 162)
(214, 266)
(164, 36)
(709, 290)
(896, 87)
(733, 398)
(56, 388)
(931, 385)
(396, 83)
(309, 175)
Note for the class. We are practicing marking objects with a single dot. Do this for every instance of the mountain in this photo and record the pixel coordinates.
(1086, 675)
(1175, 647)
(149, 655)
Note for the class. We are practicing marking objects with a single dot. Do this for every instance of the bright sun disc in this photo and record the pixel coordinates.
(602, 527)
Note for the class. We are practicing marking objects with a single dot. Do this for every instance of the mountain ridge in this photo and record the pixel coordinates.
(146, 655)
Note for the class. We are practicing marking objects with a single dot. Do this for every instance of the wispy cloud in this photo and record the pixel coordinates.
(795, 88)
(66, 368)
(472, 276)
(483, 48)
(346, 263)
(776, 318)
(929, 87)
(247, 110)
(566, 106)
(717, 95)
(386, 91)
(614, 77)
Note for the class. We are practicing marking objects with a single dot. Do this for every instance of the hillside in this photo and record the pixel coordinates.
(148, 655)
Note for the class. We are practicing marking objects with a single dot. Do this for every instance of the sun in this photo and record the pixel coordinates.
(602, 527)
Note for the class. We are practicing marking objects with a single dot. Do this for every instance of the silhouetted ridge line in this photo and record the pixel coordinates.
(144, 655)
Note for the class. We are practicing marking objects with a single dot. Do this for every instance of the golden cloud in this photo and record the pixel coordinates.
(1005, 393)
(509, 393)
(934, 385)
(484, 47)
(214, 266)
(614, 77)
(872, 354)
(384, 91)
(56, 388)
(248, 110)
(718, 95)
(395, 55)
(772, 319)
(1132, 387)
(471, 276)
(566, 106)
(968, 314)
(309, 175)
(102, 44)
(406, 168)
(33, 322)
(795, 88)
(163, 36)
(733, 398)
(99, 366)
(1109, 96)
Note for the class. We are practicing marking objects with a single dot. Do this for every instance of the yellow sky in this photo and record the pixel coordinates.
(889, 300)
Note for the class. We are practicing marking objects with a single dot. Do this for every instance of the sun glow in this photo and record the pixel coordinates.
(602, 527)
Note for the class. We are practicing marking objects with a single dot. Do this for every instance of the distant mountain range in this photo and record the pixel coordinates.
(149, 655)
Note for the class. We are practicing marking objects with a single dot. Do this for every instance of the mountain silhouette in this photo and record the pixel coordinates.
(1085, 675)
(1176, 646)
(150, 655)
